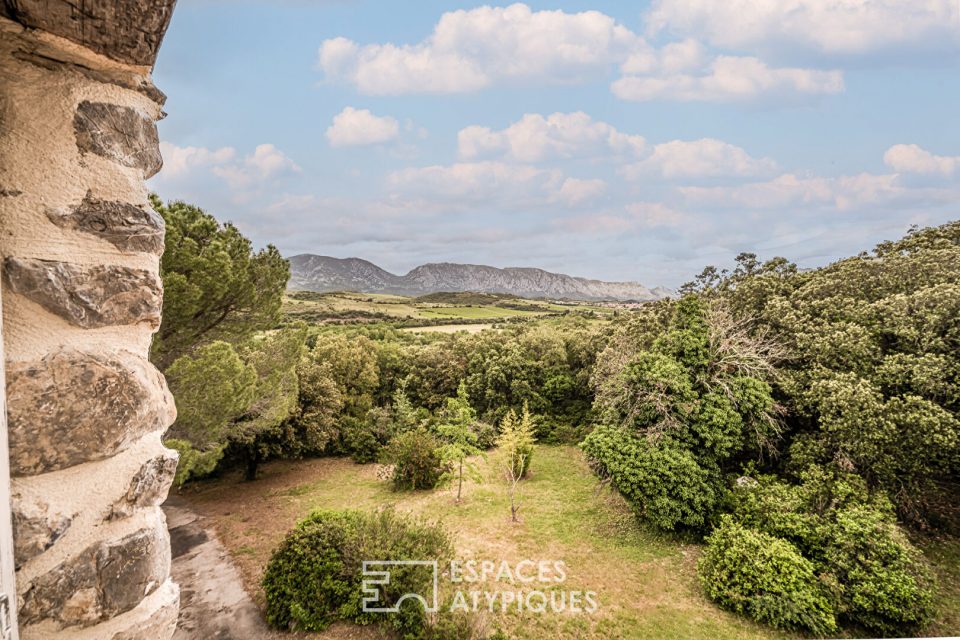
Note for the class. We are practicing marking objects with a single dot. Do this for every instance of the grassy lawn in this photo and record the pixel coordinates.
(476, 312)
(396, 306)
(645, 584)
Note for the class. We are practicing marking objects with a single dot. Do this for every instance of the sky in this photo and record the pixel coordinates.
(626, 141)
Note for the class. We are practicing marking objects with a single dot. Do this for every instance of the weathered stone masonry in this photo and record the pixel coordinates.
(81, 295)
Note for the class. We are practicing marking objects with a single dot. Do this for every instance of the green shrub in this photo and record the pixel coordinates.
(194, 464)
(662, 481)
(879, 580)
(486, 435)
(416, 463)
(314, 577)
(885, 585)
(363, 445)
(454, 625)
(766, 578)
(365, 438)
(556, 431)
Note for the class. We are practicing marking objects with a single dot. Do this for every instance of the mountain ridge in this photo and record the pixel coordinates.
(312, 272)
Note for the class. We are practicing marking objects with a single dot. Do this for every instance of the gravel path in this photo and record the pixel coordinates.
(213, 603)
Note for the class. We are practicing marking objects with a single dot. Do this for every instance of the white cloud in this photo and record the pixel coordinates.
(789, 190)
(699, 159)
(575, 191)
(265, 163)
(656, 214)
(472, 49)
(637, 217)
(353, 127)
(535, 138)
(676, 57)
(250, 172)
(178, 161)
(911, 158)
(476, 181)
(725, 79)
(480, 183)
(833, 27)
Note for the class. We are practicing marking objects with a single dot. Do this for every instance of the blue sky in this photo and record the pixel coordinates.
(614, 140)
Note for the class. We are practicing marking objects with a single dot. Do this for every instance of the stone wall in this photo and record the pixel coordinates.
(80, 248)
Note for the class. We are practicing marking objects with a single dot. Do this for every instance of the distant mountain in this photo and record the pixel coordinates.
(323, 273)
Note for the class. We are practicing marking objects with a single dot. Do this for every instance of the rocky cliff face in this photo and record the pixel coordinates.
(323, 273)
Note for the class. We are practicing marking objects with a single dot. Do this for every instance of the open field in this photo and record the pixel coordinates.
(450, 328)
(471, 313)
(460, 308)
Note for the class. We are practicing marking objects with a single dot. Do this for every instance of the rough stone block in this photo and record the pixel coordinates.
(126, 30)
(149, 487)
(103, 581)
(35, 528)
(73, 407)
(159, 626)
(118, 133)
(124, 225)
(88, 297)
(129, 570)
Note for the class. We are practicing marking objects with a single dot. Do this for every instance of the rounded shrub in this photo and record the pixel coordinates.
(886, 585)
(314, 577)
(765, 578)
(416, 463)
(662, 481)
(486, 435)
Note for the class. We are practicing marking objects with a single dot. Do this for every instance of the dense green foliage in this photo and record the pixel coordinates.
(662, 481)
(216, 287)
(212, 387)
(314, 577)
(259, 432)
(679, 412)
(233, 388)
(831, 394)
(866, 566)
(234, 402)
(873, 381)
(416, 460)
(765, 578)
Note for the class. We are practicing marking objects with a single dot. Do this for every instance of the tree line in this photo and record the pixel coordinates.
(252, 385)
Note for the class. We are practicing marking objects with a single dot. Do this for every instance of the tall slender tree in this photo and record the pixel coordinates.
(459, 438)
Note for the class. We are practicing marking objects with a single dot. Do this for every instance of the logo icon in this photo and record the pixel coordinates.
(376, 573)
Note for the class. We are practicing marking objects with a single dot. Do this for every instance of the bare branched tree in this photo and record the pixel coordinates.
(739, 348)
(513, 465)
